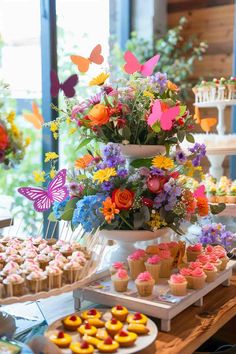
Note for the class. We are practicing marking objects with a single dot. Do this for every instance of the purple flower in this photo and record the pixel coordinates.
(199, 151)
(107, 186)
(76, 188)
(79, 108)
(112, 155)
(107, 89)
(156, 171)
(216, 234)
(180, 157)
(144, 171)
(123, 173)
(160, 79)
(95, 99)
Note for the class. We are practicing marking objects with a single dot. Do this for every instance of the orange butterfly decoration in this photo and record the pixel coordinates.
(83, 63)
(35, 117)
(205, 123)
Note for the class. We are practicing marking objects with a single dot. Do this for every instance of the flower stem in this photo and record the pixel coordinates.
(126, 222)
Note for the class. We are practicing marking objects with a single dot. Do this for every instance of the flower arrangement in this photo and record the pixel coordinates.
(12, 142)
(105, 194)
(216, 234)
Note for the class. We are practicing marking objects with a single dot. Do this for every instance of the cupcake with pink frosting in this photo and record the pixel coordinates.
(209, 249)
(10, 268)
(54, 277)
(144, 284)
(199, 278)
(178, 285)
(2, 260)
(116, 266)
(153, 265)
(66, 250)
(166, 264)
(43, 260)
(136, 262)
(193, 251)
(37, 281)
(194, 265)
(120, 280)
(174, 248)
(216, 261)
(222, 255)
(72, 271)
(187, 273)
(14, 285)
(203, 258)
(211, 272)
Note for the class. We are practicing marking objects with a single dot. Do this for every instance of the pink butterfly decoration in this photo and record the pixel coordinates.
(133, 65)
(165, 118)
(67, 87)
(43, 199)
(200, 191)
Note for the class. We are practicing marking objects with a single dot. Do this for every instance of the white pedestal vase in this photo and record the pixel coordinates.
(132, 152)
(127, 241)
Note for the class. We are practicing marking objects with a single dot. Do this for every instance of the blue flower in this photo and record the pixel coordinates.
(59, 207)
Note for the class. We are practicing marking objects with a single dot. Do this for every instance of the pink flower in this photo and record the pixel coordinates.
(155, 183)
(79, 108)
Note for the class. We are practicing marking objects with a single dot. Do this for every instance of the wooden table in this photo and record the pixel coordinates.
(194, 326)
(5, 219)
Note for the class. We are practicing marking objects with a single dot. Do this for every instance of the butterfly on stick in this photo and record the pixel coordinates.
(133, 65)
(44, 198)
(200, 192)
(165, 118)
(205, 123)
(68, 86)
(83, 63)
(34, 117)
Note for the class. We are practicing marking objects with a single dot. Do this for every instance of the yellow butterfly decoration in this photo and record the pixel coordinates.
(205, 123)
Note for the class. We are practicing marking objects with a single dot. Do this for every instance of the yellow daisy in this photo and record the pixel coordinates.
(27, 141)
(52, 173)
(54, 126)
(148, 94)
(49, 156)
(11, 117)
(99, 80)
(163, 162)
(39, 176)
(104, 175)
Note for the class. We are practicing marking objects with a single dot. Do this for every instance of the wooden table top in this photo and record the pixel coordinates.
(191, 328)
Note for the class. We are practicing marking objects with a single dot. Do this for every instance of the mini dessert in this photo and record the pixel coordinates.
(193, 251)
(61, 339)
(222, 255)
(216, 261)
(221, 193)
(211, 193)
(37, 281)
(203, 258)
(93, 313)
(96, 322)
(108, 345)
(14, 285)
(79, 257)
(166, 264)
(113, 326)
(87, 328)
(43, 260)
(211, 272)
(136, 263)
(231, 197)
(15, 258)
(125, 339)
(137, 318)
(199, 278)
(120, 280)
(153, 266)
(144, 284)
(71, 323)
(120, 313)
(66, 250)
(10, 268)
(138, 328)
(72, 272)
(174, 248)
(187, 273)
(91, 340)
(54, 277)
(116, 266)
(81, 348)
(209, 249)
(194, 265)
(102, 334)
(178, 285)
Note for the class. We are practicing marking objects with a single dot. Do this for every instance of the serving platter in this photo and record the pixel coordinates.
(142, 342)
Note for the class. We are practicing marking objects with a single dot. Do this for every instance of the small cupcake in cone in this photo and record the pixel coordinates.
(116, 266)
(178, 285)
(221, 193)
(187, 273)
(166, 264)
(144, 284)
(231, 86)
(43, 260)
(14, 285)
(216, 261)
(194, 265)
(66, 250)
(136, 263)
(211, 272)
(199, 278)
(203, 258)
(231, 197)
(72, 272)
(193, 251)
(153, 266)
(120, 280)
(54, 277)
(37, 281)
(222, 255)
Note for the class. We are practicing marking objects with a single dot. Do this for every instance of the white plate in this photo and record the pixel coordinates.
(142, 342)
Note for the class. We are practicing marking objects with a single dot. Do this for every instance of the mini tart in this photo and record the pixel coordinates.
(88, 329)
(125, 339)
(61, 339)
(108, 346)
(102, 333)
(138, 328)
(71, 323)
(120, 313)
(137, 318)
(91, 340)
(92, 313)
(113, 326)
(81, 348)
(96, 322)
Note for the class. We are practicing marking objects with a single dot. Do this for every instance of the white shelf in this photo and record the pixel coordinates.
(210, 104)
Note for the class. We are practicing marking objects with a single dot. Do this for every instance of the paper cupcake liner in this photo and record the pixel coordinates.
(54, 281)
(178, 289)
(154, 270)
(221, 198)
(145, 288)
(231, 199)
(71, 275)
(192, 256)
(37, 285)
(136, 267)
(12, 289)
(224, 262)
(165, 268)
(211, 275)
(120, 285)
(189, 279)
(198, 282)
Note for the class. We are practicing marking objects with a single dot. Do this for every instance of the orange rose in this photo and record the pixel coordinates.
(203, 206)
(84, 161)
(99, 115)
(123, 198)
(4, 141)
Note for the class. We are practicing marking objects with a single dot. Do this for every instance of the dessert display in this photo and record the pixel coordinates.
(120, 280)
(220, 191)
(178, 285)
(33, 265)
(144, 283)
(215, 90)
(73, 334)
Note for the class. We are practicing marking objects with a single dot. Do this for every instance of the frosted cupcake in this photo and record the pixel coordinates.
(10, 268)
(2, 260)
(36, 281)
(193, 251)
(116, 266)
(211, 272)
(120, 280)
(222, 256)
(216, 261)
(187, 273)
(145, 284)
(211, 193)
(174, 248)
(79, 257)
(54, 277)
(153, 266)
(136, 262)
(166, 264)
(199, 278)
(203, 258)
(66, 250)
(231, 197)
(14, 285)
(194, 265)
(178, 285)
(72, 272)
(43, 260)
(209, 249)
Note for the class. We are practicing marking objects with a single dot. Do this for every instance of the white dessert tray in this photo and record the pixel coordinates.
(142, 342)
(161, 304)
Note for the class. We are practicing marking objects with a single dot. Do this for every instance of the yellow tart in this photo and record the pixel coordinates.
(119, 312)
(96, 322)
(93, 313)
(91, 340)
(102, 333)
(87, 328)
(81, 348)
(125, 339)
(137, 318)
(113, 326)
(61, 339)
(71, 323)
(138, 328)
(108, 346)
